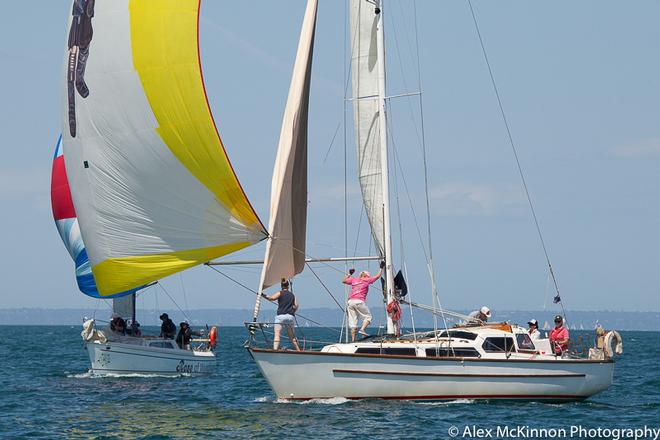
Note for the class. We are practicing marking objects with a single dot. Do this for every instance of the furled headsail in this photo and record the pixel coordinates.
(364, 71)
(150, 180)
(285, 250)
(66, 222)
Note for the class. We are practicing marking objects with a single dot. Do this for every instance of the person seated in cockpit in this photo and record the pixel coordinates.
(134, 329)
(185, 335)
(118, 325)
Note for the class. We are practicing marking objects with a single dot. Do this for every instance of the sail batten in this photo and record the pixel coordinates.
(285, 249)
(151, 182)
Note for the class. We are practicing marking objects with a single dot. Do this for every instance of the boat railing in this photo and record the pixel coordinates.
(262, 334)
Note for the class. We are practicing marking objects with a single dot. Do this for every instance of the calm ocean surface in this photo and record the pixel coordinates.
(45, 392)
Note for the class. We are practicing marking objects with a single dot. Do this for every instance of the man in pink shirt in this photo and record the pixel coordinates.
(357, 306)
(559, 336)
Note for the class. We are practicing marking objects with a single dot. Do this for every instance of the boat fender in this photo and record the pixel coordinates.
(613, 336)
(213, 336)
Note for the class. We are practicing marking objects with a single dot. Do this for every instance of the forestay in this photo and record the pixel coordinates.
(150, 180)
(364, 69)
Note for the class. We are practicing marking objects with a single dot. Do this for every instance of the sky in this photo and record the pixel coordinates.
(580, 85)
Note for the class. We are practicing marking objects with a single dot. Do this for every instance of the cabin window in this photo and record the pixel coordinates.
(160, 344)
(525, 342)
(498, 345)
(400, 351)
(459, 334)
(456, 352)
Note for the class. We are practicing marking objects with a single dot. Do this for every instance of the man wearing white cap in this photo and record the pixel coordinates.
(533, 330)
(482, 315)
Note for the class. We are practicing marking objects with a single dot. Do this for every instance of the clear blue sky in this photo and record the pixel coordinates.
(580, 82)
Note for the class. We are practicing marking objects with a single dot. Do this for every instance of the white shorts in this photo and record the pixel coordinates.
(284, 320)
(357, 309)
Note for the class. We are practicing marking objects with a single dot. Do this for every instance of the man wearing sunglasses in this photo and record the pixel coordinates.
(559, 336)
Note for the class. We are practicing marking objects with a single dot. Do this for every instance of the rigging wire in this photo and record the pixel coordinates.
(156, 303)
(254, 292)
(175, 303)
(357, 237)
(403, 264)
(183, 288)
(332, 142)
(431, 268)
(98, 303)
(409, 98)
(325, 287)
(515, 155)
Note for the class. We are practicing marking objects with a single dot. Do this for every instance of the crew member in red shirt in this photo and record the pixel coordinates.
(559, 336)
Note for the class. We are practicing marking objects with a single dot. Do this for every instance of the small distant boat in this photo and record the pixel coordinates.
(142, 187)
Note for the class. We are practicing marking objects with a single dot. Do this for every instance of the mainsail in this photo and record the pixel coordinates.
(151, 183)
(285, 250)
(364, 69)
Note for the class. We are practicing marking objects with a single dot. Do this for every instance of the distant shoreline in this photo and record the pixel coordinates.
(325, 317)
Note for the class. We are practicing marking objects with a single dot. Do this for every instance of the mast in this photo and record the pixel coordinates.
(382, 119)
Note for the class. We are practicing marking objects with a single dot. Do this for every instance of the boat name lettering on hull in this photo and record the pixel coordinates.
(187, 368)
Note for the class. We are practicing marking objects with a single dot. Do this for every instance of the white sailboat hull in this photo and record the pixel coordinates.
(311, 375)
(120, 358)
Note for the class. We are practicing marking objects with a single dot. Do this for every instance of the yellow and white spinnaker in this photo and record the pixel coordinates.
(152, 185)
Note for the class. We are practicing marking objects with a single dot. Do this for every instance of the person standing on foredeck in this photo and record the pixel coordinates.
(287, 304)
(357, 300)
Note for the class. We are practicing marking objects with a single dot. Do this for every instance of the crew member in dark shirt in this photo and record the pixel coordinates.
(167, 328)
(287, 304)
(185, 335)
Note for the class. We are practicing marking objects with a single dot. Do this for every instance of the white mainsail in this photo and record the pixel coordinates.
(364, 68)
(285, 250)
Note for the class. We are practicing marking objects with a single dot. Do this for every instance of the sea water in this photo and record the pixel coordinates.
(47, 392)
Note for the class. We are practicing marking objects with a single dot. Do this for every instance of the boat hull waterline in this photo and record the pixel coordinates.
(116, 358)
(317, 375)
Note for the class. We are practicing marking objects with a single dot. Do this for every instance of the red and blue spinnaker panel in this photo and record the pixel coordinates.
(66, 221)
